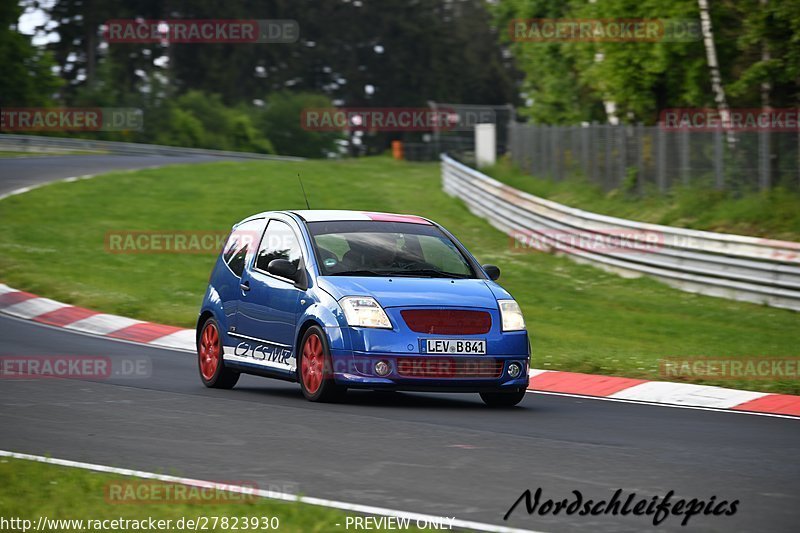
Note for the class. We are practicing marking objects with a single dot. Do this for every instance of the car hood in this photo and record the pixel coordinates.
(412, 292)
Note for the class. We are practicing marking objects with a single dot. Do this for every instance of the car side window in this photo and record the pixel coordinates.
(279, 242)
(230, 247)
(241, 241)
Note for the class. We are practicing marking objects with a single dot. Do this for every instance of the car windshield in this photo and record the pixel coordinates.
(375, 248)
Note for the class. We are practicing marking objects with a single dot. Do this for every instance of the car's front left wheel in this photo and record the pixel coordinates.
(212, 367)
(315, 371)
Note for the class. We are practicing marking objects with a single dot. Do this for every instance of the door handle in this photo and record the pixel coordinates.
(245, 286)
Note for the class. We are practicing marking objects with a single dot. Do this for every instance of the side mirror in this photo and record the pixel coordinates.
(283, 269)
(492, 271)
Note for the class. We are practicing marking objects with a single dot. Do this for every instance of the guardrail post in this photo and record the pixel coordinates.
(640, 157)
(585, 151)
(594, 161)
(558, 152)
(763, 161)
(684, 156)
(719, 170)
(542, 132)
(623, 155)
(608, 138)
(546, 150)
(661, 158)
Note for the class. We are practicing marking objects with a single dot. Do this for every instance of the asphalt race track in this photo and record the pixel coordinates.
(444, 455)
(17, 172)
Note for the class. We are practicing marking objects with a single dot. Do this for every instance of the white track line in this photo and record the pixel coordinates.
(272, 495)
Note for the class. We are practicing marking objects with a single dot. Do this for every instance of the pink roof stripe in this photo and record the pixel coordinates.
(388, 217)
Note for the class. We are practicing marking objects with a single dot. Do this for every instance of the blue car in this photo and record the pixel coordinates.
(339, 300)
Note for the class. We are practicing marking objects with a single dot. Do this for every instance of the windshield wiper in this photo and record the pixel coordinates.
(430, 272)
(422, 272)
(361, 273)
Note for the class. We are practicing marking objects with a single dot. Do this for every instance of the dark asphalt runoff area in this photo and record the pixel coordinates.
(445, 455)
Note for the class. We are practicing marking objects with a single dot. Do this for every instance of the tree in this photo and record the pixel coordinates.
(409, 52)
(555, 91)
(756, 45)
(28, 78)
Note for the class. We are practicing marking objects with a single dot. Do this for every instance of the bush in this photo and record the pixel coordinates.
(280, 121)
(201, 120)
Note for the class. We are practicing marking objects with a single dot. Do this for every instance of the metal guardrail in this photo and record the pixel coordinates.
(40, 142)
(737, 267)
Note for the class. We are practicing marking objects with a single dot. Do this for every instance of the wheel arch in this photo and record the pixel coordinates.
(307, 323)
(205, 315)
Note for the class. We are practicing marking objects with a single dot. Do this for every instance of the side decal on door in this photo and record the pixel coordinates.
(261, 354)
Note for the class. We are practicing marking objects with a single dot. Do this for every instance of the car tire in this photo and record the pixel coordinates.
(314, 368)
(503, 399)
(210, 363)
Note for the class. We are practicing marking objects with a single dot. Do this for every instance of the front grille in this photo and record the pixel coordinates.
(447, 321)
(448, 367)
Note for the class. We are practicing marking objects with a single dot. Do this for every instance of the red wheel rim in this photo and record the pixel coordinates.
(209, 351)
(313, 363)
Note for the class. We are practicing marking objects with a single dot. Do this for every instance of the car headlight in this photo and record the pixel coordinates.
(511, 315)
(365, 312)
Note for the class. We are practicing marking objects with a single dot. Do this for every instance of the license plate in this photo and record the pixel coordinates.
(456, 346)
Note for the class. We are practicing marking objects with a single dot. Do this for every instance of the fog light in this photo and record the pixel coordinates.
(514, 370)
(382, 368)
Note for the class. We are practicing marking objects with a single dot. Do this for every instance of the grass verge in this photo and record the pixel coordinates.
(774, 214)
(64, 496)
(580, 318)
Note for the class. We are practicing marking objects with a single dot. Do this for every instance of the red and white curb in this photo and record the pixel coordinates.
(664, 393)
(46, 311)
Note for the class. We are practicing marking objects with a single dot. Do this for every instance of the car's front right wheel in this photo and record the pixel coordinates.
(503, 399)
(315, 371)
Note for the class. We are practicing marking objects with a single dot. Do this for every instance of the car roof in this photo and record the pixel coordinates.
(328, 215)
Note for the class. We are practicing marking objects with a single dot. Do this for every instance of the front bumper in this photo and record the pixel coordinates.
(355, 351)
(466, 374)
